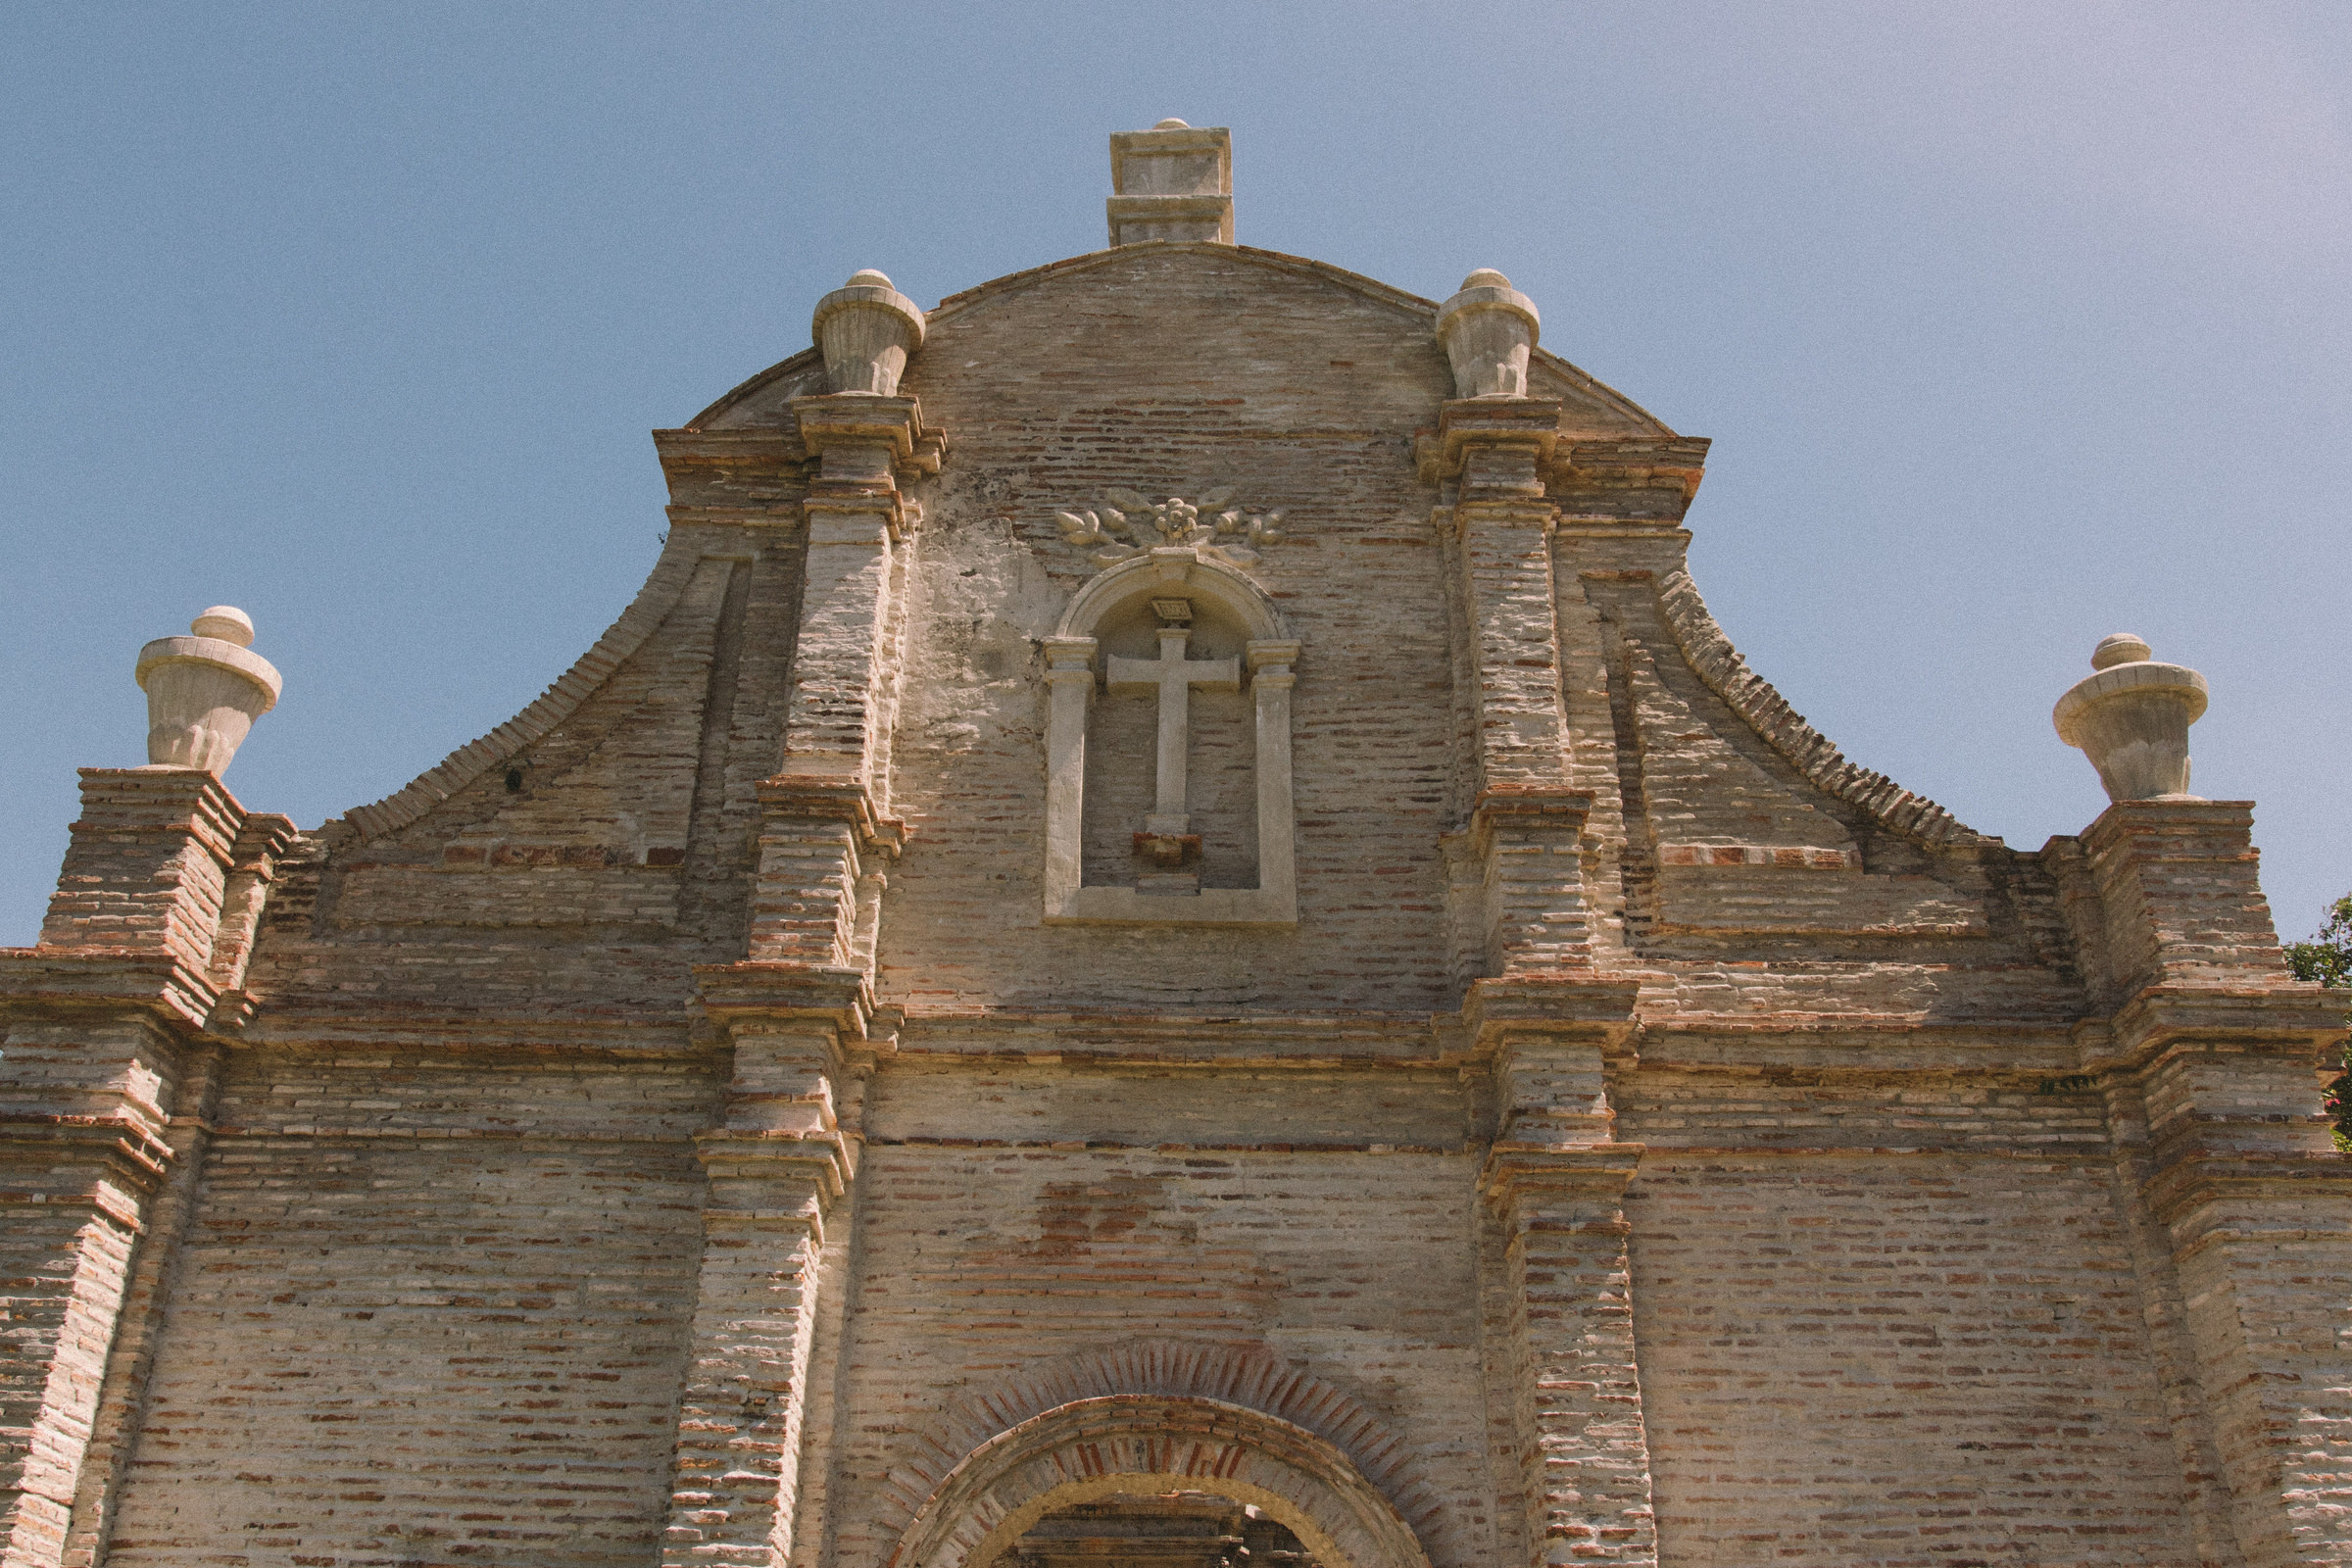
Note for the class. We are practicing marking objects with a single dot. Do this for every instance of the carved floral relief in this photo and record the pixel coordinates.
(1126, 524)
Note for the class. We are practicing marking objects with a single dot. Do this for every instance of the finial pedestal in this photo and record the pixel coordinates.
(1489, 329)
(2132, 719)
(866, 329)
(205, 691)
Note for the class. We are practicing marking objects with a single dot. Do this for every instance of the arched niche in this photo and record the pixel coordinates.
(1117, 631)
(1099, 1447)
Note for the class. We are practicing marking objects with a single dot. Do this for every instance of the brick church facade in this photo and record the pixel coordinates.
(1166, 934)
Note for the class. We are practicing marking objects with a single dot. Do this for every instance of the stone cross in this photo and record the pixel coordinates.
(1173, 677)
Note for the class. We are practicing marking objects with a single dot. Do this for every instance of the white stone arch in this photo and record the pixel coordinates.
(1199, 572)
(1071, 677)
(1147, 1443)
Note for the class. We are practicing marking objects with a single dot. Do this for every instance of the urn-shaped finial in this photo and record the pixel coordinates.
(2132, 719)
(204, 692)
(866, 328)
(1489, 330)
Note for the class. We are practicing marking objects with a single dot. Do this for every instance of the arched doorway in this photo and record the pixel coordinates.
(1137, 1450)
(1188, 1528)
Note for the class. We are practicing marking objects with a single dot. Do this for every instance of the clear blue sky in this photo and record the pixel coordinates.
(2014, 325)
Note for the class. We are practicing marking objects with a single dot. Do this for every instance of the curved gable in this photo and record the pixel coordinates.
(1589, 406)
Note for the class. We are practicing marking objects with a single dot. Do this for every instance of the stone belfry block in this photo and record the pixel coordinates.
(1171, 183)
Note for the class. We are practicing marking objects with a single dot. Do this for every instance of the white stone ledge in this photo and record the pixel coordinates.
(1115, 906)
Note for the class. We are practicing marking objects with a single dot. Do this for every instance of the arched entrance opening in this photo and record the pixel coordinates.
(1146, 1455)
(1165, 1530)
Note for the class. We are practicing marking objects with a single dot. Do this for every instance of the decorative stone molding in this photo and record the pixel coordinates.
(2132, 719)
(1125, 522)
(1171, 575)
(1489, 330)
(865, 330)
(204, 692)
(1171, 183)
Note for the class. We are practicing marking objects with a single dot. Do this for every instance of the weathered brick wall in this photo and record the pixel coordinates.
(1893, 1317)
(979, 1264)
(1975, 1212)
(1896, 1360)
(1302, 395)
(431, 1311)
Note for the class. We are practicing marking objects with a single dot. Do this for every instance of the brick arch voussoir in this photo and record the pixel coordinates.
(1247, 1375)
(1091, 1447)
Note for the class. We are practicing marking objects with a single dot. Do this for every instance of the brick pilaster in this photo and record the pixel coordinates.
(779, 1165)
(1529, 842)
(1494, 450)
(147, 1292)
(1527, 826)
(2211, 1058)
(824, 816)
(72, 1199)
(144, 946)
(782, 1156)
(1555, 1180)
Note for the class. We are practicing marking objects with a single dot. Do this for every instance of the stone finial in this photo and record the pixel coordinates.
(866, 328)
(1171, 183)
(1489, 329)
(2132, 720)
(204, 692)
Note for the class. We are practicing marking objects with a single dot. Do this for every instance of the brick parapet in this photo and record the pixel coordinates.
(653, 604)
(1726, 673)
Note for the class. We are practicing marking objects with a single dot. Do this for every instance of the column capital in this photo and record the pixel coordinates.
(158, 894)
(866, 446)
(1594, 1174)
(1468, 424)
(836, 799)
(2300, 1018)
(1571, 1006)
(753, 992)
(838, 421)
(824, 1161)
(2169, 893)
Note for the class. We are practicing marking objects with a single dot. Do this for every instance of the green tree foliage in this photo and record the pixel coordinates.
(2328, 958)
